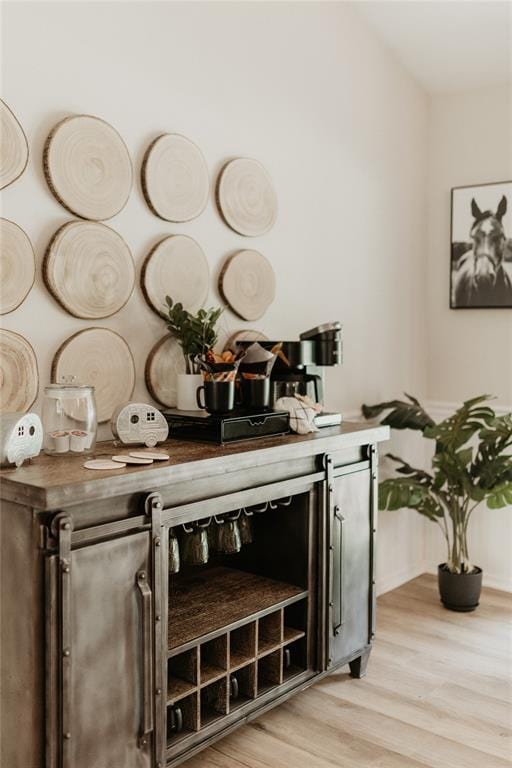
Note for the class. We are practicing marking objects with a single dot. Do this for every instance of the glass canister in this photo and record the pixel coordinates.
(69, 418)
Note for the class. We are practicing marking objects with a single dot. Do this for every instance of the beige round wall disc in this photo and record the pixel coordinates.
(247, 283)
(17, 266)
(176, 267)
(89, 269)
(244, 335)
(87, 167)
(101, 358)
(103, 464)
(164, 363)
(175, 178)
(19, 378)
(13, 147)
(246, 197)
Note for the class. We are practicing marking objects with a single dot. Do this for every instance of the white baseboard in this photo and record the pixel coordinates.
(394, 580)
(488, 580)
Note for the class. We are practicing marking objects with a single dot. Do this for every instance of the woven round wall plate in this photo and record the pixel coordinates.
(247, 283)
(17, 266)
(175, 178)
(88, 167)
(100, 358)
(164, 363)
(176, 267)
(246, 197)
(89, 269)
(13, 147)
(19, 377)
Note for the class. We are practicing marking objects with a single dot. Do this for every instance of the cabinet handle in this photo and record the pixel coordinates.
(147, 657)
(339, 556)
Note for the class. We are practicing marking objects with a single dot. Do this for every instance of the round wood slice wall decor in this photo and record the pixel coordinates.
(17, 266)
(88, 167)
(89, 269)
(247, 283)
(19, 378)
(176, 267)
(175, 178)
(247, 335)
(246, 197)
(13, 147)
(101, 358)
(164, 363)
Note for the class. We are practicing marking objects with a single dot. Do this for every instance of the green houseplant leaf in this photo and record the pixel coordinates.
(471, 463)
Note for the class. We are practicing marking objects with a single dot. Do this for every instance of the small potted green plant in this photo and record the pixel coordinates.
(471, 464)
(196, 334)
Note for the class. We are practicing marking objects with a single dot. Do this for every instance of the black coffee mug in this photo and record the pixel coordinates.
(256, 393)
(219, 396)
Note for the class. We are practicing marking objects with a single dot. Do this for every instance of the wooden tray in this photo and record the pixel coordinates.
(246, 197)
(247, 283)
(175, 178)
(19, 377)
(88, 167)
(164, 363)
(13, 147)
(89, 269)
(101, 358)
(17, 266)
(176, 267)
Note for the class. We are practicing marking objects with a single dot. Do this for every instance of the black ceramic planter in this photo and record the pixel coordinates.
(459, 591)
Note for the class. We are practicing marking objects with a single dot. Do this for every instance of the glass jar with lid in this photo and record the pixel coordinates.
(69, 418)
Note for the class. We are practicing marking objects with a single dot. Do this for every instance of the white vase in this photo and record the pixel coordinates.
(187, 386)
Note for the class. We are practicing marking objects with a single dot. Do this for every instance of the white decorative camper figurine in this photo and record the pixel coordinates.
(21, 437)
(134, 423)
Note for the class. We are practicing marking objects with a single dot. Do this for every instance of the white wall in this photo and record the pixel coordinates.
(470, 351)
(305, 88)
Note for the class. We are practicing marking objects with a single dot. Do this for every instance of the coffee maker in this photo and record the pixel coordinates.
(296, 369)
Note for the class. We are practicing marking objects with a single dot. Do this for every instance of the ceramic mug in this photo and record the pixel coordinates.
(174, 553)
(219, 396)
(186, 385)
(195, 549)
(175, 719)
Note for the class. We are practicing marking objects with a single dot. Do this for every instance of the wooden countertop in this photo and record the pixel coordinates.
(50, 482)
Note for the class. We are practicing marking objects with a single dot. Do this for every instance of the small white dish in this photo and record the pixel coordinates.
(153, 455)
(125, 459)
(102, 464)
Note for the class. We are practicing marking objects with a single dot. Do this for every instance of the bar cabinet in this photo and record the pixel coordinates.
(113, 657)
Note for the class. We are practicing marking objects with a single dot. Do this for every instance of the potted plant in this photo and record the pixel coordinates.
(471, 464)
(196, 334)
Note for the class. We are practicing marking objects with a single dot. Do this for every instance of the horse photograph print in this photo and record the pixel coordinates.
(481, 246)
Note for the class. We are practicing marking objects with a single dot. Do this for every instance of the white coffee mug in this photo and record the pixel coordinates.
(187, 384)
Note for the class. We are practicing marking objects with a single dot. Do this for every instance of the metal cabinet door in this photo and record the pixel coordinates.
(351, 529)
(104, 623)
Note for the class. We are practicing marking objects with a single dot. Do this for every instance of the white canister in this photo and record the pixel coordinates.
(187, 386)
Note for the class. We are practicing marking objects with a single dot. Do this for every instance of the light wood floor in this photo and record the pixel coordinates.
(438, 693)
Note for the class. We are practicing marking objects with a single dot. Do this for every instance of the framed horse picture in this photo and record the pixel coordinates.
(481, 247)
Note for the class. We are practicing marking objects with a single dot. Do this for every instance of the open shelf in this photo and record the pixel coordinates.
(242, 686)
(290, 635)
(182, 719)
(177, 689)
(214, 702)
(217, 598)
(182, 675)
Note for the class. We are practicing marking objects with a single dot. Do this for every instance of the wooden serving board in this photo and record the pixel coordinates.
(88, 167)
(19, 377)
(101, 358)
(164, 363)
(17, 266)
(175, 178)
(89, 269)
(247, 283)
(13, 147)
(246, 197)
(176, 267)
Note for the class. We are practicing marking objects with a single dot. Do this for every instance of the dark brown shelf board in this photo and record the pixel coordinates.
(209, 717)
(290, 635)
(210, 673)
(217, 598)
(268, 646)
(239, 659)
(292, 671)
(178, 737)
(178, 689)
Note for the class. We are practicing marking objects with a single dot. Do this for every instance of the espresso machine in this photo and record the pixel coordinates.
(296, 369)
